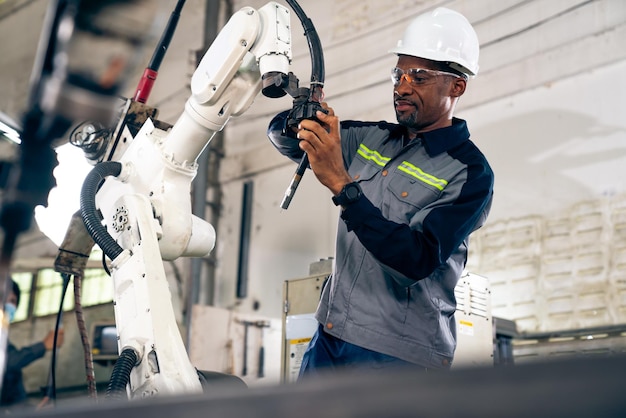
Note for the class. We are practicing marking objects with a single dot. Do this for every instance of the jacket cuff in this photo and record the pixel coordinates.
(356, 214)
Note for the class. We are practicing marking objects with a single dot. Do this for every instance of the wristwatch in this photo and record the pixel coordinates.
(350, 193)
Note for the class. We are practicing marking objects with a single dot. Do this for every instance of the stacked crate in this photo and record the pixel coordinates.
(617, 275)
(556, 285)
(555, 273)
(592, 249)
(508, 254)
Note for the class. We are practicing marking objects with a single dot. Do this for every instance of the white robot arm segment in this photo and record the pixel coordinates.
(153, 193)
(228, 78)
(265, 34)
(273, 46)
(225, 55)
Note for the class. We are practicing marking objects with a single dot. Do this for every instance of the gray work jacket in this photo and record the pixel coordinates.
(402, 247)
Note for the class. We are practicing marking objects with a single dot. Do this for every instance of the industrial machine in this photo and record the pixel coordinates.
(141, 188)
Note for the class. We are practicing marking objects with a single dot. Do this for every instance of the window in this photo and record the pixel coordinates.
(40, 290)
(97, 288)
(48, 293)
(24, 281)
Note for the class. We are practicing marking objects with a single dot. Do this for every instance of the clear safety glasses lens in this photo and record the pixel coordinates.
(417, 76)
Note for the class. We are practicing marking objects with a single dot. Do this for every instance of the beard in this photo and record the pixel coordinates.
(408, 120)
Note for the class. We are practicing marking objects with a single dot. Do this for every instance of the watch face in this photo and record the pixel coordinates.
(352, 192)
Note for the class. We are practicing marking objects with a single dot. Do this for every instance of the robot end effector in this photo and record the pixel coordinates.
(254, 45)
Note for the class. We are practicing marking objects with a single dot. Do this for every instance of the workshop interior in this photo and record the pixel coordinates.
(144, 212)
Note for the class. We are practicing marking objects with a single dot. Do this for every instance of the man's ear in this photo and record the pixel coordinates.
(457, 88)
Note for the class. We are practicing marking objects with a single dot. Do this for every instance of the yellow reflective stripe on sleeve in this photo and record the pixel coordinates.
(416, 172)
(371, 155)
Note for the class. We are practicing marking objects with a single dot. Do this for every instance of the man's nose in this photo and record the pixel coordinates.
(404, 85)
(405, 77)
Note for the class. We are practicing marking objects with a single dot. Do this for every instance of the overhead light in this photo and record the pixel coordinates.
(8, 131)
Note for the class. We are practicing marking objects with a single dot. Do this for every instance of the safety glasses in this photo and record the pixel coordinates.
(417, 76)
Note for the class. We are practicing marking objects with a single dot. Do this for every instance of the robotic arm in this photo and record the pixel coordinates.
(162, 164)
(145, 199)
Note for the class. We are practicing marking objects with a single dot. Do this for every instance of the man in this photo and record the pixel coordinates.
(410, 193)
(13, 392)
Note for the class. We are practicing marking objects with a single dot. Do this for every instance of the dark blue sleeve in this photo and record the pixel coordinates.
(18, 359)
(416, 254)
(393, 244)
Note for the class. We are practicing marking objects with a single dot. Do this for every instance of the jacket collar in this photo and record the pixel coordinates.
(444, 139)
(437, 141)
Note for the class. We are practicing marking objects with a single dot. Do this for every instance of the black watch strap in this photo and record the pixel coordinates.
(350, 193)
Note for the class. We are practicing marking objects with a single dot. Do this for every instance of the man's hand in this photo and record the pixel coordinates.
(322, 143)
(48, 342)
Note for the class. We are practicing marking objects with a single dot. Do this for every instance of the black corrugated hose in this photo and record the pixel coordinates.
(88, 209)
(120, 376)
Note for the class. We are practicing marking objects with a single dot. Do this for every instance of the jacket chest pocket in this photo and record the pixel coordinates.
(405, 195)
(363, 170)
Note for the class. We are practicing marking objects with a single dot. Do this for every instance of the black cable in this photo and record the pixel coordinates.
(305, 109)
(164, 42)
(313, 40)
(105, 267)
(89, 211)
(152, 70)
(51, 391)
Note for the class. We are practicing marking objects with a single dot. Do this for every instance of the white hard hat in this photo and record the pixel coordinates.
(442, 35)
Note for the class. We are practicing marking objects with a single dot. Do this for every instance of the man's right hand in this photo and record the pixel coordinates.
(48, 342)
(321, 140)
